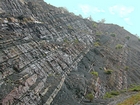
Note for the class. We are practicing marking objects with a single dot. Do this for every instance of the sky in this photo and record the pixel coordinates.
(124, 13)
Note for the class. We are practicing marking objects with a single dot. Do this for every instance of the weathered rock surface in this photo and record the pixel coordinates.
(47, 56)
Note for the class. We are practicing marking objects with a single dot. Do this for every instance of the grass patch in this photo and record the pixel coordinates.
(132, 100)
(94, 73)
(135, 88)
(111, 94)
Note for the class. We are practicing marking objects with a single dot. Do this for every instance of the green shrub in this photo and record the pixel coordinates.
(96, 44)
(139, 39)
(90, 96)
(97, 40)
(107, 95)
(114, 93)
(69, 27)
(126, 68)
(108, 71)
(98, 33)
(127, 37)
(113, 35)
(94, 73)
(119, 46)
(106, 33)
(66, 40)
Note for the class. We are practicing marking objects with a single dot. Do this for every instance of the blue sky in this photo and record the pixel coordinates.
(122, 12)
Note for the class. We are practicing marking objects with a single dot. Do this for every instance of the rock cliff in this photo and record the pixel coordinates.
(49, 56)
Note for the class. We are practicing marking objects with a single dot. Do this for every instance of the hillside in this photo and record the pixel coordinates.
(49, 56)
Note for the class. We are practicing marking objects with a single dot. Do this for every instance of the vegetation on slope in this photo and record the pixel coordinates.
(132, 100)
(111, 94)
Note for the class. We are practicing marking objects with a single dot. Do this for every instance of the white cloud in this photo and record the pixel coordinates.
(89, 9)
(95, 9)
(128, 21)
(121, 10)
(85, 8)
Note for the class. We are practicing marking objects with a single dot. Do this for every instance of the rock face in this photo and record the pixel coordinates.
(50, 56)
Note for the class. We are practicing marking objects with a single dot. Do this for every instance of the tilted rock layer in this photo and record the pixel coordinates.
(50, 56)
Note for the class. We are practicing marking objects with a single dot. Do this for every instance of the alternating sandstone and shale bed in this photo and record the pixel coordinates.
(50, 56)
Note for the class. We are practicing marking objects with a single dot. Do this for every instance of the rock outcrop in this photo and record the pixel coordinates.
(50, 56)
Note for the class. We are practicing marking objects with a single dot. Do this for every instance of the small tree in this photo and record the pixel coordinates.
(102, 21)
(94, 25)
(80, 16)
(64, 9)
(90, 18)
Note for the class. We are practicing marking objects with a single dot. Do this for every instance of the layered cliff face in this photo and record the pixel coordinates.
(50, 56)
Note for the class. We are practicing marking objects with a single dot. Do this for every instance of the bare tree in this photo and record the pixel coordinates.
(102, 20)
